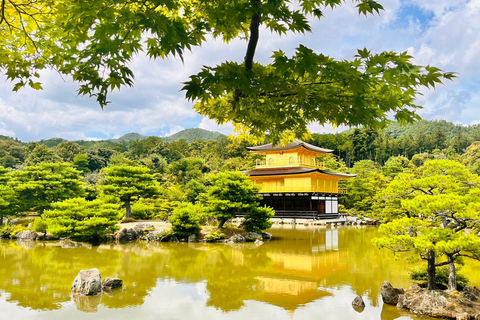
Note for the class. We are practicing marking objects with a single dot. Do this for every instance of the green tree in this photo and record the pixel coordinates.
(37, 187)
(441, 201)
(395, 165)
(232, 193)
(258, 219)
(81, 219)
(186, 219)
(41, 153)
(80, 162)
(187, 169)
(94, 42)
(7, 195)
(67, 150)
(127, 183)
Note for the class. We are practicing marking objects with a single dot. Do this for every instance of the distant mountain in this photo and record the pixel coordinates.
(194, 134)
(129, 137)
(52, 142)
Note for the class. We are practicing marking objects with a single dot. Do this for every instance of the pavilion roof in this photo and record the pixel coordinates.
(294, 170)
(296, 144)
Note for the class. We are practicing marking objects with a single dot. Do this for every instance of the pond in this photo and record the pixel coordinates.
(304, 273)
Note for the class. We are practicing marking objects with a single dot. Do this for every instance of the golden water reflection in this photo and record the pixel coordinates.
(301, 269)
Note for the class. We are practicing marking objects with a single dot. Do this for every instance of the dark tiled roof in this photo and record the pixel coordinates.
(293, 170)
(296, 144)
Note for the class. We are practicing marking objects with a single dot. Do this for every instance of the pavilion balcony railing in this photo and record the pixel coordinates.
(282, 189)
(288, 163)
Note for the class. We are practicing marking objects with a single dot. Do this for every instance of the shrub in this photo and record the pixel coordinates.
(39, 225)
(185, 220)
(215, 235)
(258, 219)
(441, 277)
(81, 219)
(5, 231)
(142, 210)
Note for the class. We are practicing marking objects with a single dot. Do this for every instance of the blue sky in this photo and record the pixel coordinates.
(443, 33)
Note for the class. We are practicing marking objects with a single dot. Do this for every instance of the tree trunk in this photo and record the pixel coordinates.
(431, 279)
(1, 220)
(222, 222)
(128, 208)
(452, 275)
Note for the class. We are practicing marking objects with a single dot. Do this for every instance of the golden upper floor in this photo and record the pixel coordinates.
(296, 154)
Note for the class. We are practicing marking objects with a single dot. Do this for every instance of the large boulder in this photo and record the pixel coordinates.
(156, 235)
(143, 228)
(237, 238)
(88, 282)
(439, 304)
(111, 283)
(125, 235)
(26, 236)
(390, 294)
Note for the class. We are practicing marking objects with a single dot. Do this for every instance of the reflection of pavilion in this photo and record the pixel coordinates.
(294, 277)
(287, 293)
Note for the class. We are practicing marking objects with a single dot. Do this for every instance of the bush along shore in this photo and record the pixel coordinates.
(152, 231)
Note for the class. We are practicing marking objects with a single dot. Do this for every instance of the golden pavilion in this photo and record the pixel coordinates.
(294, 183)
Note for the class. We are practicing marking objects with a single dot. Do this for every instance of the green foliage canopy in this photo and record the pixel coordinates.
(127, 182)
(441, 204)
(95, 41)
(81, 219)
(37, 187)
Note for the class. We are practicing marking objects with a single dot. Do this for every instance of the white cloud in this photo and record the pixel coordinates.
(318, 128)
(209, 124)
(174, 130)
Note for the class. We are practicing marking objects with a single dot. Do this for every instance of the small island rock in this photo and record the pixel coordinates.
(111, 283)
(390, 294)
(439, 304)
(358, 301)
(88, 282)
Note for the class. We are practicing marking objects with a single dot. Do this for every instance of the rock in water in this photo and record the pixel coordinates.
(253, 236)
(266, 236)
(192, 238)
(358, 301)
(258, 242)
(26, 236)
(88, 282)
(111, 283)
(390, 294)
